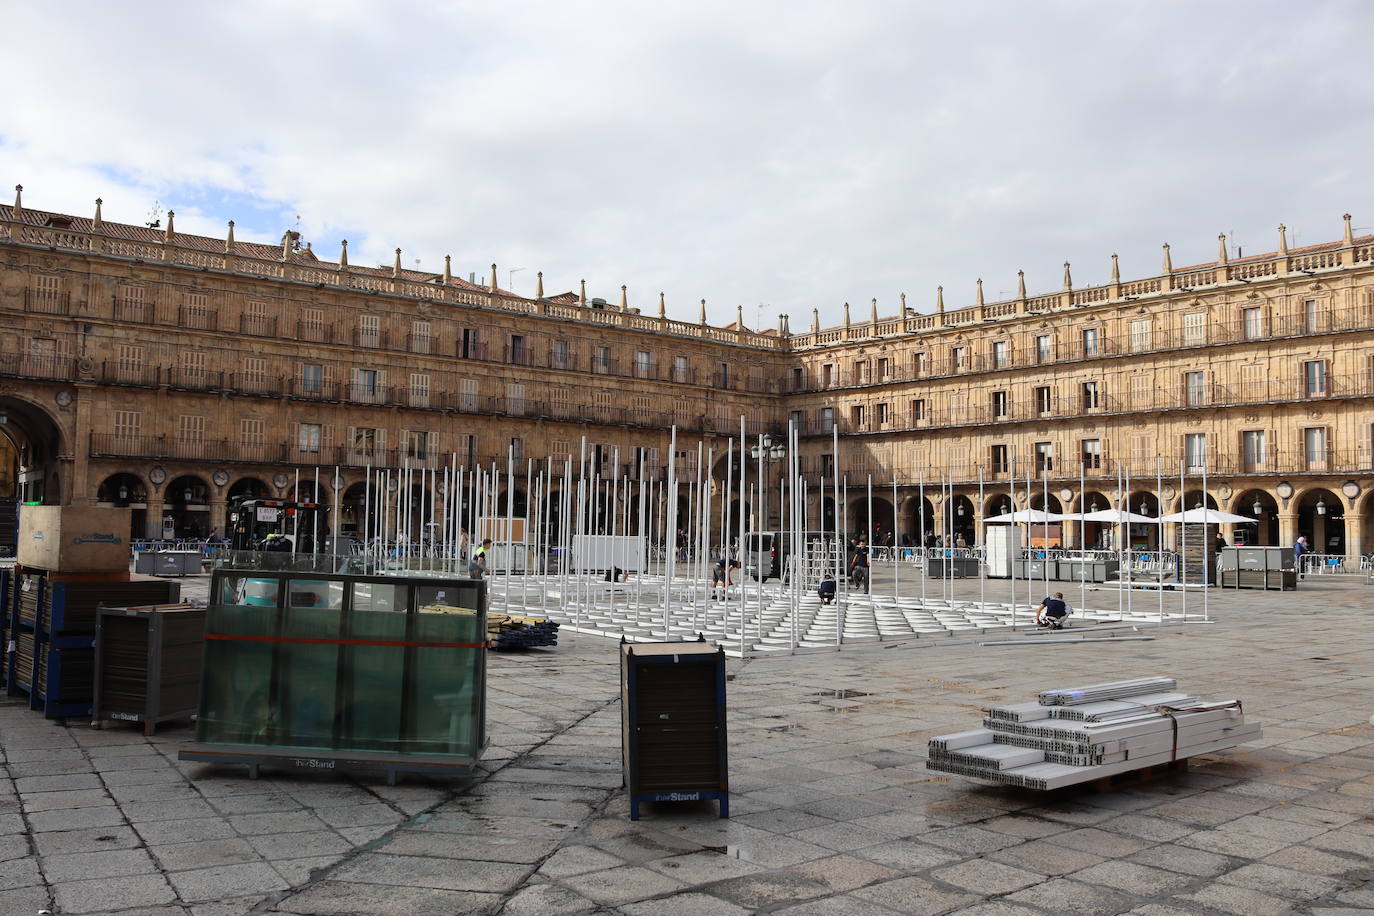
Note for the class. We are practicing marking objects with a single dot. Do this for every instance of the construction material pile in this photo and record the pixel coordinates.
(1081, 734)
(505, 631)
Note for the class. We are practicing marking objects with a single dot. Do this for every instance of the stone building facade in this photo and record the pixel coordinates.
(172, 372)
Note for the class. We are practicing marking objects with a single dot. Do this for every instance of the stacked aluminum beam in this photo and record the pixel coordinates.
(1080, 734)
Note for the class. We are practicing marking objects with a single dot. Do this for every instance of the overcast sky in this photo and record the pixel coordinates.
(783, 155)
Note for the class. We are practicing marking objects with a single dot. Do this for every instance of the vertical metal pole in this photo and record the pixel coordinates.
(896, 543)
(296, 519)
(1120, 522)
(1012, 529)
(671, 533)
(1159, 533)
(921, 536)
(980, 537)
(839, 538)
(1181, 563)
(1206, 510)
(743, 531)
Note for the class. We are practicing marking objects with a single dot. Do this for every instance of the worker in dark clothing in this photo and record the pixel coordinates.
(858, 566)
(826, 590)
(1052, 612)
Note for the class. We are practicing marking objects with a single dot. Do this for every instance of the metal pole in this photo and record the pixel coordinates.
(1181, 563)
(1159, 534)
(980, 537)
(743, 533)
(921, 536)
(839, 540)
(1206, 566)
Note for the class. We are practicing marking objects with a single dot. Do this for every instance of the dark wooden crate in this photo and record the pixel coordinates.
(148, 663)
(673, 723)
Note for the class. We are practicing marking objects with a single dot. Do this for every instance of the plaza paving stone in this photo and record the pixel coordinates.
(834, 812)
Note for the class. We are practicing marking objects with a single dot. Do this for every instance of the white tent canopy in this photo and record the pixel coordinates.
(1116, 517)
(1208, 517)
(1033, 516)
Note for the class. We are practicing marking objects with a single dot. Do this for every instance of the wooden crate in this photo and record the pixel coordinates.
(148, 663)
(673, 723)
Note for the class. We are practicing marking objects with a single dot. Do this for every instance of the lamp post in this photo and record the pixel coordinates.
(765, 453)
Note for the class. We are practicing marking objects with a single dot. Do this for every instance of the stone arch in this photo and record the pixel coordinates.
(126, 490)
(37, 439)
(1266, 532)
(248, 488)
(1321, 518)
(186, 501)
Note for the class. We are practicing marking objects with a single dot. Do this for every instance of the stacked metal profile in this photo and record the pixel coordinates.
(519, 632)
(1081, 734)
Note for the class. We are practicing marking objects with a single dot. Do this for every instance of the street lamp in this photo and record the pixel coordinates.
(1321, 506)
(764, 452)
(1258, 507)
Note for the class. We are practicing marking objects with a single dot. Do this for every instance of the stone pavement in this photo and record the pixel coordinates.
(833, 811)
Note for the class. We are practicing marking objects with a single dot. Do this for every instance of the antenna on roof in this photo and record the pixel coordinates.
(296, 236)
(155, 216)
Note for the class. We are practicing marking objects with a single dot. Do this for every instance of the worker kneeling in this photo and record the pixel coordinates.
(826, 589)
(1052, 612)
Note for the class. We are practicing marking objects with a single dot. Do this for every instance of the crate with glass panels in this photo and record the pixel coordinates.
(334, 671)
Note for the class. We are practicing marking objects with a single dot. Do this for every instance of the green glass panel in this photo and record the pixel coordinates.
(235, 698)
(450, 594)
(307, 673)
(316, 593)
(446, 692)
(376, 677)
(379, 596)
(373, 719)
(248, 591)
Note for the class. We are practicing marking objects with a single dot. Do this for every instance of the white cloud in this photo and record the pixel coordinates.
(796, 155)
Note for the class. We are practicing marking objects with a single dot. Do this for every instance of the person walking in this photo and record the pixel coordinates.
(1300, 550)
(477, 567)
(859, 567)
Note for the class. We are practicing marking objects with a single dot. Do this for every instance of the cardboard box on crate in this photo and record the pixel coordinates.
(74, 539)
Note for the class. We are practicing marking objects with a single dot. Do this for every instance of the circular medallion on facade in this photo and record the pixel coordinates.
(1351, 489)
(1169, 492)
(63, 398)
(157, 475)
(1224, 491)
(281, 479)
(220, 477)
(337, 482)
(1284, 489)
(1066, 494)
